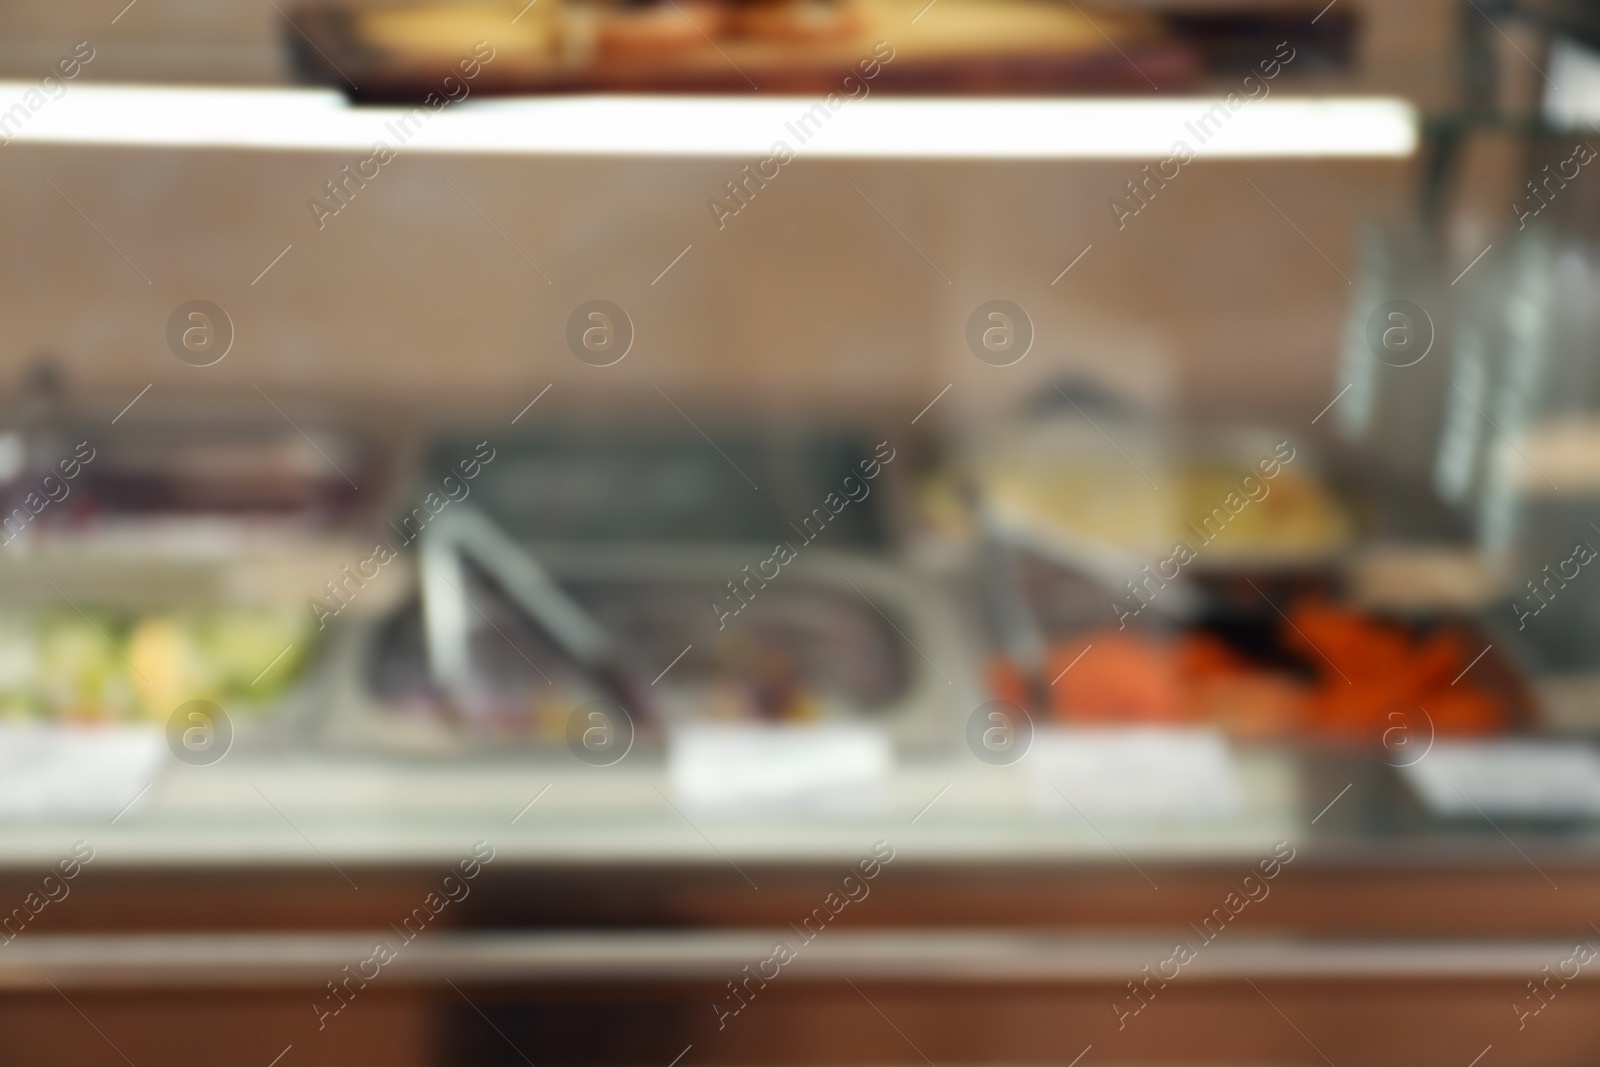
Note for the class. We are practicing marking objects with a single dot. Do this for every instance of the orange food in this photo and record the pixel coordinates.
(1363, 664)
(1122, 677)
(1105, 676)
(1257, 705)
(1239, 696)
(1007, 683)
(1360, 665)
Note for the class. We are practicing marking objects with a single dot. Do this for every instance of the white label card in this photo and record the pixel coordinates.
(1529, 779)
(831, 767)
(76, 770)
(1145, 773)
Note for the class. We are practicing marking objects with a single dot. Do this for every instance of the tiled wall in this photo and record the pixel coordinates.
(808, 299)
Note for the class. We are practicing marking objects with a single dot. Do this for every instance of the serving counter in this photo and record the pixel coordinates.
(549, 912)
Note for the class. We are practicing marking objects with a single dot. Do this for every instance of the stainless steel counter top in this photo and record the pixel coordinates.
(306, 810)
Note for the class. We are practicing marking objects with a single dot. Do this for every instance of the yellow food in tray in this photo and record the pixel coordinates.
(1095, 502)
(108, 668)
(1292, 514)
(563, 39)
(1010, 26)
(1062, 487)
(428, 35)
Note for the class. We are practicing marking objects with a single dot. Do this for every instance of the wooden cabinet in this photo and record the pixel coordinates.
(1385, 958)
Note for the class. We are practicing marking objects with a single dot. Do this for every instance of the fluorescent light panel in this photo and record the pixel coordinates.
(875, 127)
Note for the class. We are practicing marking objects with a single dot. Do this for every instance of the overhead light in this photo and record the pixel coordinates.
(875, 127)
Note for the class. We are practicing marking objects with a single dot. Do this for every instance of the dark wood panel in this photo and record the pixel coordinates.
(1445, 901)
(393, 1028)
(1352, 1022)
(1443, 1024)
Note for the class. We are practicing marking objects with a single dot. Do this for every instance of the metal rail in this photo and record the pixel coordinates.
(919, 956)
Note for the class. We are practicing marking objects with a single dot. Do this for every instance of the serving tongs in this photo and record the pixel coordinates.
(1002, 537)
(461, 534)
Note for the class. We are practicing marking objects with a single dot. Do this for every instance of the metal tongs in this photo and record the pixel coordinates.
(1017, 630)
(463, 533)
(1001, 541)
